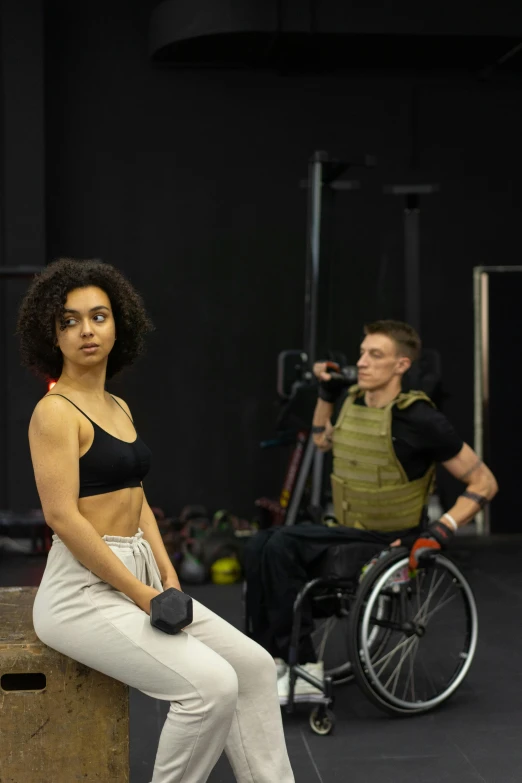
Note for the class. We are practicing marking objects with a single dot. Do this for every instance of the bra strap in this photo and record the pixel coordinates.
(56, 394)
(123, 409)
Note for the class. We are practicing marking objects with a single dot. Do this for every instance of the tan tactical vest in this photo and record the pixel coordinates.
(370, 489)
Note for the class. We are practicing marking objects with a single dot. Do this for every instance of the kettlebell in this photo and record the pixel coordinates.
(225, 571)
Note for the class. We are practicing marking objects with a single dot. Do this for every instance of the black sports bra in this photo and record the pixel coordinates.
(110, 463)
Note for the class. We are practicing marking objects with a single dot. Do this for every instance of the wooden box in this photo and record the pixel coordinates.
(60, 722)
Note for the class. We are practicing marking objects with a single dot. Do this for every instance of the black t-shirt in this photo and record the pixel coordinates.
(421, 435)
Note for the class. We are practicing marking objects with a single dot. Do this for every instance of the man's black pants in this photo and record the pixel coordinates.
(278, 563)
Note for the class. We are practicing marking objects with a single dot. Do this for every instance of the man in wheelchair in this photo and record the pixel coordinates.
(385, 446)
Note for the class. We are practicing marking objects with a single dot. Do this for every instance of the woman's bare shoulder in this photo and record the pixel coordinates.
(52, 412)
(123, 404)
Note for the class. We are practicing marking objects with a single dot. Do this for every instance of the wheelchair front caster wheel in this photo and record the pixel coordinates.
(322, 721)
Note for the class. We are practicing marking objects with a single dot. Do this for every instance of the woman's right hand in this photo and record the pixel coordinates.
(145, 596)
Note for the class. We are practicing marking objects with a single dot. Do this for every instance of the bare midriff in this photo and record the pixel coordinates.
(114, 513)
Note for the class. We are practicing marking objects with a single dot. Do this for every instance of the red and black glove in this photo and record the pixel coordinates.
(437, 537)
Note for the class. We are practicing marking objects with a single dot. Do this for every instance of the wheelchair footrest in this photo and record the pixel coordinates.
(323, 697)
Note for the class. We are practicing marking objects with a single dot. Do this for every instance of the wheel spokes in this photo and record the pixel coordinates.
(407, 674)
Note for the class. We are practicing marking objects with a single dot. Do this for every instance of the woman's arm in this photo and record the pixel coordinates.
(53, 439)
(151, 533)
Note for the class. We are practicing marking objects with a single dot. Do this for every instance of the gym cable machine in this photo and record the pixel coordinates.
(295, 367)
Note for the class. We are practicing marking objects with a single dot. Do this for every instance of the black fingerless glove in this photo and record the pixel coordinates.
(436, 537)
(331, 390)
(440, 532)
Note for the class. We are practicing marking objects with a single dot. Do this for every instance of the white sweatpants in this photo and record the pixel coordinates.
(220, 684)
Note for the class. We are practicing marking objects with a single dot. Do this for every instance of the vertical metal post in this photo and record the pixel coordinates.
(304, 472)
(478, 444)
(412, 259)
(481, 381)
(313, 264)
(482, 423)
(412, 276)
(316, 180)
(313, 253)
(317, 478)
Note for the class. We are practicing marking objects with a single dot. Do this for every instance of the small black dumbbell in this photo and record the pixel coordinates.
(171, 611)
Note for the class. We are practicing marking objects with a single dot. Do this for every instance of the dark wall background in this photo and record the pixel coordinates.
(189, 182)
(22, 228)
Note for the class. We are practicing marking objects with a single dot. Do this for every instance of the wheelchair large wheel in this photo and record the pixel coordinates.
(412, 641)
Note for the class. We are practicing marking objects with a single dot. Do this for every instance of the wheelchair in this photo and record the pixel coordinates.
(407, 640)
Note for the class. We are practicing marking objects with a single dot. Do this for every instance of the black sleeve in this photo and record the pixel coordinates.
(439, 437)
(338, 406)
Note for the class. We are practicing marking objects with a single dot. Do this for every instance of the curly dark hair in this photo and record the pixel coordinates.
(45, 301)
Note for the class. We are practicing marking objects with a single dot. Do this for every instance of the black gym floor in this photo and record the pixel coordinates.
(475, 737)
